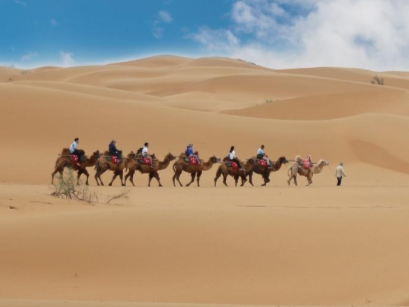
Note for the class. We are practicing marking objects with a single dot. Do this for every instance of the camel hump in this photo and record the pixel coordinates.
(106, 153)
(65, 152)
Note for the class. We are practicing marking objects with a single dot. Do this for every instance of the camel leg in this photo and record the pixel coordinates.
(178, 174)
(295, 181)
(193, 179)
(113, 178)
(121, 176)
(243, 180)
(86, 174)
(156, 175)
(98, 176)
(251, 179)
(150, 179)
(236, 180)
(129, 174)
(218, 174)
(79, 173)
(225, 179)
(198, 178)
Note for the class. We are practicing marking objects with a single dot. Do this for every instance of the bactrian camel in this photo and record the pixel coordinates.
(296, 168)
(103, 165)
(182, 166)
(65, 161)
(225, 169)
(263, 171)
(147, 169)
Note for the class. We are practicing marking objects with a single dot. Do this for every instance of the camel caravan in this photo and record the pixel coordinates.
(188, 161)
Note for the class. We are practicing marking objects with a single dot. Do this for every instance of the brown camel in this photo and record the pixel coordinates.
(182, 166)
(65, 161)
(147, 169)
(263, 171)
(103, 165)
(296, 168)
(226, 170)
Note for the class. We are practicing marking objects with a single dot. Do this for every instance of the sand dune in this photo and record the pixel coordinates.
(301, 246)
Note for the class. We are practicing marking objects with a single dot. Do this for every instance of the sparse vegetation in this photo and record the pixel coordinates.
(378, 81)
(25, 72)
(66, 188)
(269, 101)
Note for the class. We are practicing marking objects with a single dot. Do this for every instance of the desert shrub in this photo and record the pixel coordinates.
(269, 101)
(378, 81)
(68, 189)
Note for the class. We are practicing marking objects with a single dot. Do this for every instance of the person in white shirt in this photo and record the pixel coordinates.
(339, 173)
(74, 150)
(232, 157)
(262, 156)
(145, 153)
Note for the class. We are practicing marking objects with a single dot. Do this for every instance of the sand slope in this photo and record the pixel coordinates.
(251, 246)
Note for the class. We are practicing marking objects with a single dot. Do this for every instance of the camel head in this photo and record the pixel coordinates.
(96, 154)
(323, 163)
(283, 160)
(170, 157)
(298, 158)
(215, 160)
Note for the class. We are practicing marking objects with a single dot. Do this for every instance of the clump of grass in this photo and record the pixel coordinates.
(378, 81)
(269, 101)
(121, 195)
(67, 188)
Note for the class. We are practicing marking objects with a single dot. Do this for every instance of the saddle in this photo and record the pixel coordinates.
(262, 163)
(233, 165)
(306, 164)
(113, 159)
(146, 161)
(192, 160)
(74, 158)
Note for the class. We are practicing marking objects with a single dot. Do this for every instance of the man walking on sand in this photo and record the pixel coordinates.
(339, 173)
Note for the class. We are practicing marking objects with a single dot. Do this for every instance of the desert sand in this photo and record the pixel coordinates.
(296, 246)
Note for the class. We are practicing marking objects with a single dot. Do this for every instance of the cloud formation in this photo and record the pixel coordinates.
(29, 56)
(370, 34)
(163, 17)
(67, 59)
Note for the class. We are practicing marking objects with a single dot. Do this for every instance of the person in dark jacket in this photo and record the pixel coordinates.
(113, 151)
(190, 153)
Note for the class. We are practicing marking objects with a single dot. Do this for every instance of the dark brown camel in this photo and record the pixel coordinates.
(103, 165)
(65, 161)
(226, 170)
(182, 166)
(264, 171)
(147, 169)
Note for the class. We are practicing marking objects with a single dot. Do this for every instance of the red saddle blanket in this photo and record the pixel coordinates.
(193, 161)
(114, 159)
(234, 165)
(147, 161)
(306, 164)
(262, 163)
(74, 158)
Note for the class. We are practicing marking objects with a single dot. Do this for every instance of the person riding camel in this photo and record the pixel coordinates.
(190, 153)
(262, 156)
(145, 153)
(113, 151)
(75, 151)
(232, 157)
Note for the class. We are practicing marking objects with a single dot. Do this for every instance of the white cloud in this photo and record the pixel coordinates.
(370, 34)
(67, 59)
(165, 16)
(53, 22)
(162, 18)
(29, 56)
(216, 40)
(20, 2)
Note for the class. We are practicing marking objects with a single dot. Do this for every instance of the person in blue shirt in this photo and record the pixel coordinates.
(75, 151)
(190, 153)
(262, 156)
(113, 151)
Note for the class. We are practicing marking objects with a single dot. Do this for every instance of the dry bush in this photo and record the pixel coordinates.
(68, 189)
(378, 81)
(121, 195)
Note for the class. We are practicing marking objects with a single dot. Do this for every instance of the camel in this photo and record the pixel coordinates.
(103, 165)
(182, 166)
(263, 171)
(296, 168)
(147, 169)
(226, 170)
(65, 161)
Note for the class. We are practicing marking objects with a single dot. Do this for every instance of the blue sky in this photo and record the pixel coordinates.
(371, 34)
(37, 31)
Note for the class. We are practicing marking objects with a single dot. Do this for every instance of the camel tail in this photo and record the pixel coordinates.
(174, 168)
